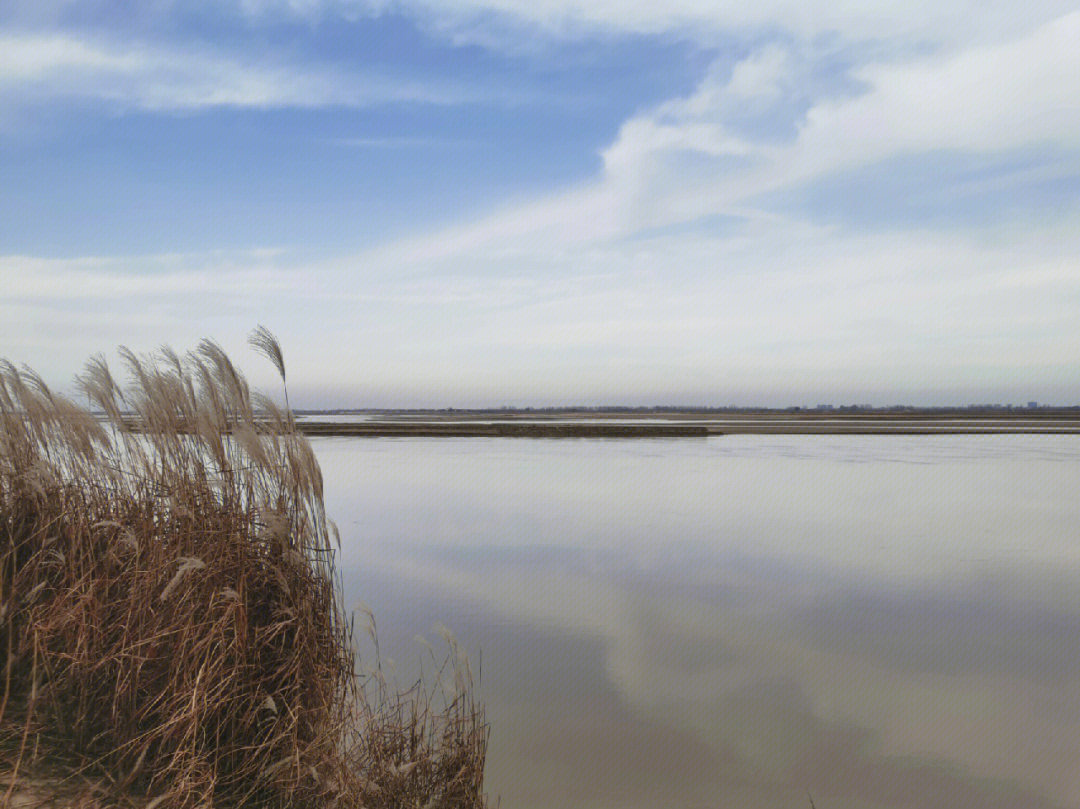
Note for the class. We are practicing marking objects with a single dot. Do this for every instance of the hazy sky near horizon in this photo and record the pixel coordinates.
(488, 202)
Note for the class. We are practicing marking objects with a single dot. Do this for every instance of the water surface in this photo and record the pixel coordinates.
(739, 621)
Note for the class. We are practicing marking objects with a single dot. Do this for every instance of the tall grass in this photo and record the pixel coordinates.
(171, 622)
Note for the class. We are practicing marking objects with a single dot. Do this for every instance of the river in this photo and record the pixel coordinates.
(739, 621)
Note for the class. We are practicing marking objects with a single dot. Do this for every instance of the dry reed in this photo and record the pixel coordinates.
(170, 612)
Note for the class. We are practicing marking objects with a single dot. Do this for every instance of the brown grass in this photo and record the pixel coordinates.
(170, 614)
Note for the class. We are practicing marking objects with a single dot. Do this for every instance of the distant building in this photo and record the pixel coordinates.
(1033, 405)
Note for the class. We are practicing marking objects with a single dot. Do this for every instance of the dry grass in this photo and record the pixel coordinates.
(170, 615)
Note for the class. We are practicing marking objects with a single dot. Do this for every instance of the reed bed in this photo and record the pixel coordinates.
(171, 619)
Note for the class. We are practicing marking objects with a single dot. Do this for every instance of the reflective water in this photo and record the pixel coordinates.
(740, 621)
(335, 418)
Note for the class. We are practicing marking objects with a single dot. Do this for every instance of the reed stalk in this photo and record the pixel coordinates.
(171, 617)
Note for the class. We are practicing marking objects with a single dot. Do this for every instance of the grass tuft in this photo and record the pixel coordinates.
(171, 627)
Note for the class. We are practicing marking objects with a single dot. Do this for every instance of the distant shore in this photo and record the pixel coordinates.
(683, 423)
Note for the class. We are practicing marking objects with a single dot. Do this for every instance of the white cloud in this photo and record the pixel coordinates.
(41, 67)
(681, 161)
(55, 312)
(760, 76)
(767, 314)
(630, 284)
(32, 58)
(985, 98)
(989, 98)
(89, 278)
(926, 20)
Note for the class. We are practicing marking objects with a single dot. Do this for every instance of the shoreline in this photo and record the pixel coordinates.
(686, 427)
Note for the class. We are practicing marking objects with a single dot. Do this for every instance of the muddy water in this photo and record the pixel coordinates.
(740, 621)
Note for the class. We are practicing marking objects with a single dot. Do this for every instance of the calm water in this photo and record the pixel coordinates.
(740, 621)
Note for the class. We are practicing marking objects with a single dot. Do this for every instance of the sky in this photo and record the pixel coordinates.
(552, 202)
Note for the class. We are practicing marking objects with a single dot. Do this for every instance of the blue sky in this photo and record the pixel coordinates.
(493, 202)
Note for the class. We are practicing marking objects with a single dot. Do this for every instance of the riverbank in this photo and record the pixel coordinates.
(678, 425)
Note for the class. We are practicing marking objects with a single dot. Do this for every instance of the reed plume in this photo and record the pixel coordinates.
(171, 621)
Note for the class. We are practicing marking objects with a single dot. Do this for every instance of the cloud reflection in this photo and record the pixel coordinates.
(740, 673)
(662, 700)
